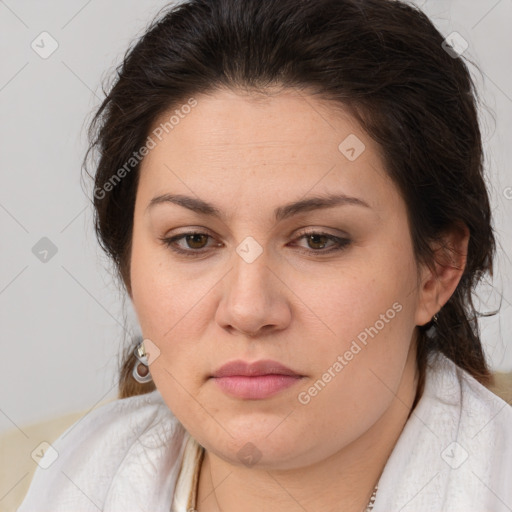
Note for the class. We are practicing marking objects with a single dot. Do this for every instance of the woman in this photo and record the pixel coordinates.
(293, 196)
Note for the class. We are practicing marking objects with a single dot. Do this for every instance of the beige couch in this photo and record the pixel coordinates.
(17, 465)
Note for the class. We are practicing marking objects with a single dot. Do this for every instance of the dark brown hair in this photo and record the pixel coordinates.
(383, 60)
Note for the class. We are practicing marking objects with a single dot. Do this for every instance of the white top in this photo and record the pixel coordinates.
(454, 454)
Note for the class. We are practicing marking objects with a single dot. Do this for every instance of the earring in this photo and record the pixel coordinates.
(433, 326)
(141, 368)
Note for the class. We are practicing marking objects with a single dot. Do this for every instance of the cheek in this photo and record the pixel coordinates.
(367, 316)
(157, 292)
(172, 312)
(375, 290)
(356, 374)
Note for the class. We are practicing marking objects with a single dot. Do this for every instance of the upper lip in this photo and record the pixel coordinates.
(262, 367)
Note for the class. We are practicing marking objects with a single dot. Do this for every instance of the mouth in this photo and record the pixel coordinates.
(254, 381)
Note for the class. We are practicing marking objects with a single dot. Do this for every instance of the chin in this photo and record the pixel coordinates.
(258, 449)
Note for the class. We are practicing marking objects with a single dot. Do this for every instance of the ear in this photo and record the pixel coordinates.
(439, 283)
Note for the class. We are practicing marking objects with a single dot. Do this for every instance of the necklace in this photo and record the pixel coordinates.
(371, 503)
(368, 508)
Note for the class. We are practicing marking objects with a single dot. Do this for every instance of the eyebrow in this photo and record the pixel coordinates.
(280, 213)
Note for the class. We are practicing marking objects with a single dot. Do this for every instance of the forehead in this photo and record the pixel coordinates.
(285, 144)
(240, 122)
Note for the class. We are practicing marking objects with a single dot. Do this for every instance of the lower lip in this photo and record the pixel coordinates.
(262, 386)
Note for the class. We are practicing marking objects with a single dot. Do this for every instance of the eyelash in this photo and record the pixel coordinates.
(340, 243)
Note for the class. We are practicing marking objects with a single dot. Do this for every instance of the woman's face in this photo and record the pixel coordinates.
(337, 307)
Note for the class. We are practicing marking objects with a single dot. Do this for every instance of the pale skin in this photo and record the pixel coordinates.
(293, 304)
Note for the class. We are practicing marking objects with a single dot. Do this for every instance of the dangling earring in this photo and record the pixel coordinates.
(141, 368)
(432, 329)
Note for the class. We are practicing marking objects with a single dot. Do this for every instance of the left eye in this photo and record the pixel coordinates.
(196, 242)
(317, 238)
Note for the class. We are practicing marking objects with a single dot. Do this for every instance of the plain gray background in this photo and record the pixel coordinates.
(62, 320)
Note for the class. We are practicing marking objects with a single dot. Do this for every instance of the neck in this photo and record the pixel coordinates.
(343, 481)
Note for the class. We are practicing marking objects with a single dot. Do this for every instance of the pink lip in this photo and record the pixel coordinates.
(257, 380)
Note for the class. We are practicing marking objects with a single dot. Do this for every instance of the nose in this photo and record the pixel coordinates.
(254, 298)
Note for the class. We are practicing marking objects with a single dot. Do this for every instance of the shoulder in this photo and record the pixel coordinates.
(479, 407)
(126, 435)
(118, 424)
(477, 439)
(455, 450)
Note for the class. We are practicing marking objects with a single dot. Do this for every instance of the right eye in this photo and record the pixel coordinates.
(195, 241)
